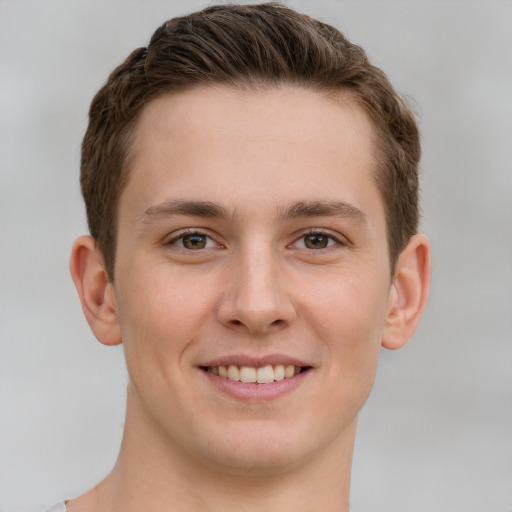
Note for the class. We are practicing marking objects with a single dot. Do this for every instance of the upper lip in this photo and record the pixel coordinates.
(254, 361)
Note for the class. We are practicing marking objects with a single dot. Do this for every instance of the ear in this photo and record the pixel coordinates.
(95, 291)
(409, 292)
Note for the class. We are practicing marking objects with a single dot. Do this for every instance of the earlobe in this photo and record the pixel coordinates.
(95, 291)
(409, 292)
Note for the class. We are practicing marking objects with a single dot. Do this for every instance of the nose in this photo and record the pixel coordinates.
(256, 299)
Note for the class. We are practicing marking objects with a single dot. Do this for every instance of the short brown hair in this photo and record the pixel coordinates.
(246, 46)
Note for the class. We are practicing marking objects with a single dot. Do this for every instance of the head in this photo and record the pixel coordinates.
(249, 47)
(251, 186)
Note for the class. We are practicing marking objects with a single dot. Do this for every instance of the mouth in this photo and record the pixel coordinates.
(256, 375)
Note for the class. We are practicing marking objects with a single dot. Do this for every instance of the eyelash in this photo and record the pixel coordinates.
(332, 240)
(320, 233)
(190, 233)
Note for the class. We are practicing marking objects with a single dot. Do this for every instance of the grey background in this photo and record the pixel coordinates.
(436, 435)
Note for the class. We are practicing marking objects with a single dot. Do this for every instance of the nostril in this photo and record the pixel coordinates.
(256, 324)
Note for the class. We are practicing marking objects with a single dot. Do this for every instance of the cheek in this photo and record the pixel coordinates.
(160, 318)
(348, 319)
(349, 312)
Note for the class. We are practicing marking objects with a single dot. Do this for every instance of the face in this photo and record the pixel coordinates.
(251, 246)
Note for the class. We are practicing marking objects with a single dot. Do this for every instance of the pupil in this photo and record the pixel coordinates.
(194, 241)
(316, 241)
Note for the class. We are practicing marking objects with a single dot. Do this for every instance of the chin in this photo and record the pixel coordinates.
(261, 461)
(262, 451)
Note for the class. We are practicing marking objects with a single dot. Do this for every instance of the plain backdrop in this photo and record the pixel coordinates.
(436, 434)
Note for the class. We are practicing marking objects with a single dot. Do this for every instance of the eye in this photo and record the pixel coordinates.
(316, 241)
(193, 241)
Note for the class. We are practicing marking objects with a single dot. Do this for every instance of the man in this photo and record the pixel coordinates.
(251, 187)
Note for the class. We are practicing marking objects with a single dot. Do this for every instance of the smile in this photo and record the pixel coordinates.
(259, 375)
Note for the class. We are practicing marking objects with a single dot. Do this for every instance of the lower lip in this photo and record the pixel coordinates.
(253, 392)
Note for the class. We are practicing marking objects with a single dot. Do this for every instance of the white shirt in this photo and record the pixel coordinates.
(59, 507)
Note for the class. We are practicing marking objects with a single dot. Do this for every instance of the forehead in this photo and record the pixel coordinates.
(261, 146)
(269, 112)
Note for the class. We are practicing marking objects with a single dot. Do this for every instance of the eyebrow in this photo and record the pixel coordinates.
(212, 210)
(323, 209)
(204, 209)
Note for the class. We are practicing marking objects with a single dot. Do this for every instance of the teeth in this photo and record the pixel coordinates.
(278, 372)
(233, 372)
(265, 374)
(289, 371)
(261, 375)
(247, 374)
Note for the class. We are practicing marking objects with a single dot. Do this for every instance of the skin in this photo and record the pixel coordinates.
(282, 167)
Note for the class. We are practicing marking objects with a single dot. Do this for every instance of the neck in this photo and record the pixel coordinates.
(154, 475)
